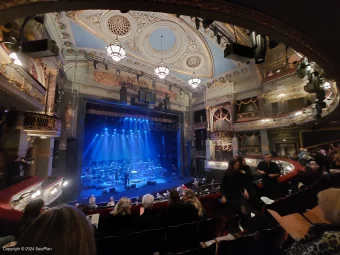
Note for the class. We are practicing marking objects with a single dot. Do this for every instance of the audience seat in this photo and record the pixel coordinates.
(210, 229)
(149, 241)
(182, 237)
(111, 244)
(269, 240)
(242, 246)
(210, 250)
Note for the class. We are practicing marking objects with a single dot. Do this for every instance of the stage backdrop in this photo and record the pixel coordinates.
(119, 138)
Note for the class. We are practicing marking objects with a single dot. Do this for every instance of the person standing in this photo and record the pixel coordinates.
(247, 175)
(269, 172)
(234, 195)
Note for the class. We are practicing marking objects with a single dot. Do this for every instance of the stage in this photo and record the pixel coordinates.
(162, 183)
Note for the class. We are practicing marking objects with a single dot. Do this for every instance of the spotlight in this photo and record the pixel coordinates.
(123, 130)
(219, 38)
(102, 134)
(38, 192)
(134, 119)
(105, 129)
(65, 183)
(207, 23)
(95, 63)
(197, 23)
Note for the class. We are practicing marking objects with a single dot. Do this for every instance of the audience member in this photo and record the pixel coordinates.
(323, 238)
(32, 210)
(148, 219)
(178, 212)
(294, 156)
(85, 209)
(308, 177)
(120, 219)
(247, 175)
(269, 172)
(234, 194)
(59, 230)
(92, 201)
(321, 160)
(111, 202)
(189, 197)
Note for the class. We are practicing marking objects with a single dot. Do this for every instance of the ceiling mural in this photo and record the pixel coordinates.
(184, 49)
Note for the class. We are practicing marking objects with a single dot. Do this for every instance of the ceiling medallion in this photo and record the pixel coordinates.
(116, 51)
(119, 25)
(194, 81)
(161, 71)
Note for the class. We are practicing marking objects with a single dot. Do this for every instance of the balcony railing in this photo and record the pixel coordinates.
(247, 116)
(200, 125)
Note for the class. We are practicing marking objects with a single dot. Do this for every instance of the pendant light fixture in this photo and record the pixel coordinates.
(161, 71)
(194, 81)
(116, 51)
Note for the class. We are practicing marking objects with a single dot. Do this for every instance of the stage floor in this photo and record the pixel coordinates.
(162, 183)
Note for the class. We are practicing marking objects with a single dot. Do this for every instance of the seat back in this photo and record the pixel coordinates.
(148, 241)
(242, 246)
(108, 245)
(210, 250)
(182, 237)
(269, 240)
(207, 229)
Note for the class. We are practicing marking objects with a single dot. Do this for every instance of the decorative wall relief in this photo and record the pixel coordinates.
(132, 83)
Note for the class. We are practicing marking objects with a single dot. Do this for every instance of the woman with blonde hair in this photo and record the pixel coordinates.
(323, 238)
(190, 198)
(120, 219)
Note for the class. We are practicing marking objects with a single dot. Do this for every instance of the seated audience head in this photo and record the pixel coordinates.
(112, 199)
(329, 202)
(233, 165)
(33, 209)
(147, 201)
(123, 207)
(312, 166)
(174, 197)
(190, 197)
(64, 229)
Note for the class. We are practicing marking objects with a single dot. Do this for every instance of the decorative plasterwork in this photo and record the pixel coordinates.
(190, 46)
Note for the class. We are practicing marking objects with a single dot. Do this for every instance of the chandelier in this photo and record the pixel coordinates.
(194, 81)
(116, 51)
(161, 71)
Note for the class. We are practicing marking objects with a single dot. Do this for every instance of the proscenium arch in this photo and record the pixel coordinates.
(213, 9)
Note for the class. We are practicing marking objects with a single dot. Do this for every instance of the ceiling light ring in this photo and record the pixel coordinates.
(161, 70)
(116, 51)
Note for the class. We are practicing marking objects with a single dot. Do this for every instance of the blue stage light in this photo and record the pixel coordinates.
(123, 130)
(147, 120)
(138, 131)
(134, 119)
(105, 129)
(145, 131)
(96, 134)
(102, 134)
(130, 118)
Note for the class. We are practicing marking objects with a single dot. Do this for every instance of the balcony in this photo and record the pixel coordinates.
(38, 124)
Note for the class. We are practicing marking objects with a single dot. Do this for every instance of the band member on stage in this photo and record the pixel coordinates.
(126, 179)
(92, 201)
(111, 202)
(117, 177)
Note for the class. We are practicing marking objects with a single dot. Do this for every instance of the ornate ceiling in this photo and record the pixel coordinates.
(184, 48)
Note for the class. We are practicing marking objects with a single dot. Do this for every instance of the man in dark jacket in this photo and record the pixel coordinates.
(269, 172)
(148, 219)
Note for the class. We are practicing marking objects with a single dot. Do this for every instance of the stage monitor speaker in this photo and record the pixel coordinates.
(148, 183)
(123, 95)
(133, 186)
(239, 52)
(104, 192)
(40, 49)
(112, 190)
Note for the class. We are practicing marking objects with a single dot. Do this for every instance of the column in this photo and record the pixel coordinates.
(44, 157)
(234, 143)
(210, 150)
(262, 107)
(264, 141)
(51, 88)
